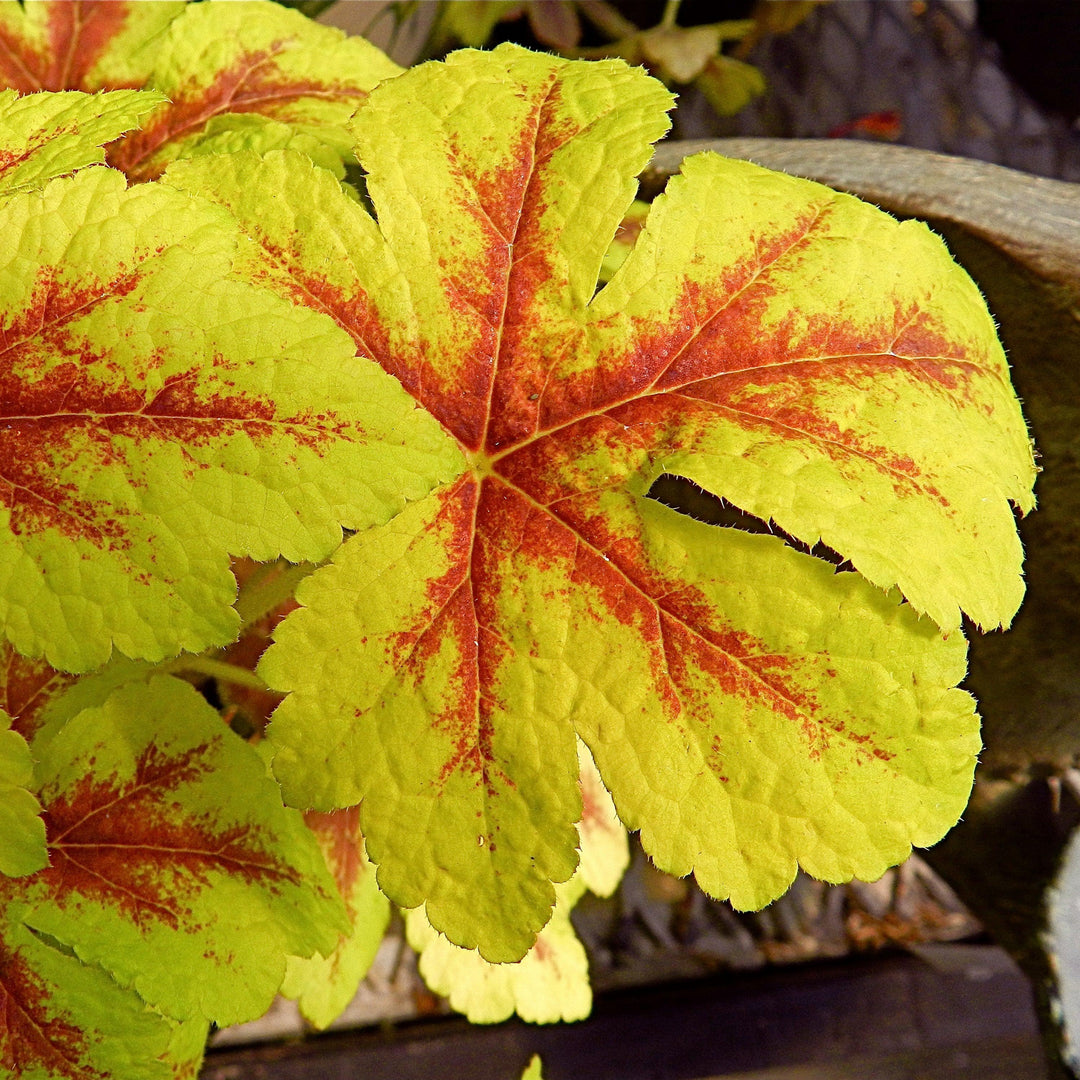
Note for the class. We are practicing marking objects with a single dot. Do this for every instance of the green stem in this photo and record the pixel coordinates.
(217, 669)
(607, 19)
(671, 10)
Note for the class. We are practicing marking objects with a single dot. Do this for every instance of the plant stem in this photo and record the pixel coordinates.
(607, 19)
(217, 669)
(671, 11)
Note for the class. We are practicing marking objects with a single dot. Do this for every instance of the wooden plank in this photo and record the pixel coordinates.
(881, 1017)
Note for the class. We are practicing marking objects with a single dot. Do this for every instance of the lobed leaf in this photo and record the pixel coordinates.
(789, 349)
(821, 365)
(173, 865)
(230, 59)
(159, 416)
(43, 136)
(217, 63)
(22, 832)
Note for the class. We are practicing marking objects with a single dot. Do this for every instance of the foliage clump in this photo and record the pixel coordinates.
(437, 441)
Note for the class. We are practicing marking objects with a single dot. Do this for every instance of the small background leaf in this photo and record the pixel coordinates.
(225, 60)
(550, 983)
(323, 985)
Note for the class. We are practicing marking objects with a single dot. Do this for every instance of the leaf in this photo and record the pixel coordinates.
(549, 984)
(61, 1019)
(173, 865)
(46, 135)
(804, 430)
(785, 347)
(324, 985)
(26, 688)
(602, 841)
(215, 61)
(22, 832)
(679, 53)
(158, 417)
(80, 44)
(533, 1071)
(729, 84)
(471, 22)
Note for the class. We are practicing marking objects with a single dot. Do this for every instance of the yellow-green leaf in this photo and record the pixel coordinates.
(549, 984)
(66, 1020)
(22, 832)
(159, 416)
(46, 135)
(216, 62)
(789, 349)
(324, 985)
(173, 864)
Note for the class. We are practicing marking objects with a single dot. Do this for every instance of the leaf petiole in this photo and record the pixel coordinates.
(217, 669)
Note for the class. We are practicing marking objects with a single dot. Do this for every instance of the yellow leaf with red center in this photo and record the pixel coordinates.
(787, 348)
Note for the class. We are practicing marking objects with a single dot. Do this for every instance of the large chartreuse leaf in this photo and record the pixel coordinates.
(46, 135)
(173, 865)
(158, 416)
(216, 62)
(22, 832)
(788, 348)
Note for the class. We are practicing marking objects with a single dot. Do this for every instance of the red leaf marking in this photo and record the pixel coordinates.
(26, 687)
(33, 1033)
(339, 837)
(77, 34)
(450, 613)
(493, 297)
(680, 625)
(68, 413)
(252, 84)
(306, 287)
(131, 845)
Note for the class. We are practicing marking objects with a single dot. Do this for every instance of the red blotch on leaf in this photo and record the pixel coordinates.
(342, 844)
(76, 35)
(26, 687)
(34, 1035)
(254, 83)
(131, 845)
